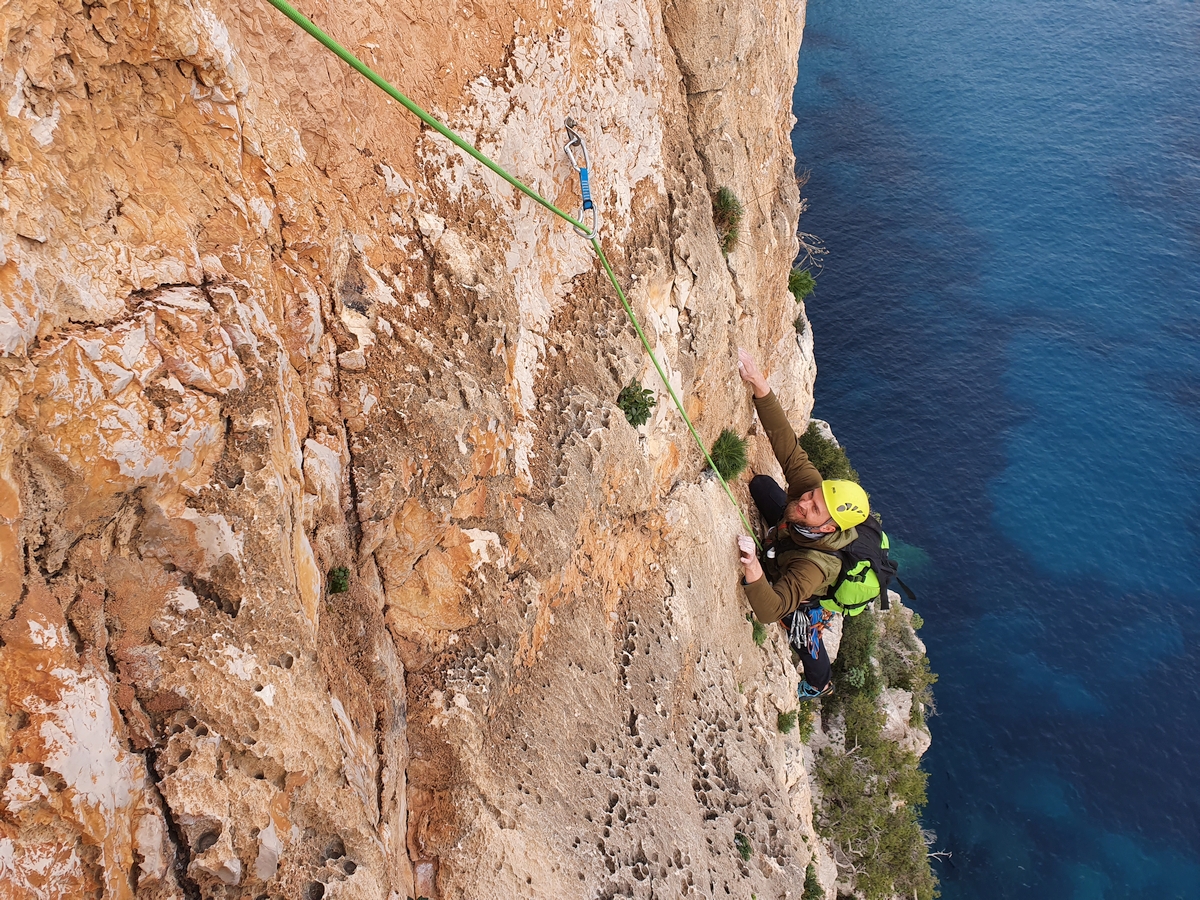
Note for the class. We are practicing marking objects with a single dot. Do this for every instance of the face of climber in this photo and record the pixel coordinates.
(809, 510)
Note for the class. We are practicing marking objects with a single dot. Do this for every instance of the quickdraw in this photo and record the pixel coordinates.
(576, 141)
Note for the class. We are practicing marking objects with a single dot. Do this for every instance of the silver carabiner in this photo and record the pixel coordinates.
(576, 142)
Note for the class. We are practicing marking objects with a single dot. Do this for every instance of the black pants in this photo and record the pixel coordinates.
(771, 501)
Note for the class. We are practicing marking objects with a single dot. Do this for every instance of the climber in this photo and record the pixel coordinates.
(809, 520)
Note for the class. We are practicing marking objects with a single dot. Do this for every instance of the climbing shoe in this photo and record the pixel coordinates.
(806, 691)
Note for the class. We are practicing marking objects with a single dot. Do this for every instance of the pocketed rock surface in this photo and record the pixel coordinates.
(258, 324)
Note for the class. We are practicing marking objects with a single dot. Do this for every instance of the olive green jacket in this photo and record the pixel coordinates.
(798, 572)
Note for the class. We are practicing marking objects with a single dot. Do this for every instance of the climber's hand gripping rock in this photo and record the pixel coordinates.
(751, 374)
(749, 559)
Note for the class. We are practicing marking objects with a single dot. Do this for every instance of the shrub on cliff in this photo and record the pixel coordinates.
(812, 887)
(727, 217)
(338, 580)
(758, 631)
(905, 665)
(830, 459)
(729, 454)
(636, 402)
(801, 283)
(742, 843)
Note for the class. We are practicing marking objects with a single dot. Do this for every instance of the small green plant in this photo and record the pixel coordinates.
(759, 634)
(801, 283)
(806, 722)
(812, 887)
(785, 722)
(758, 630)
(830, 459)
(727, 217)
(729, 454)
(800, 324)
(636, 402)
(743, 846)
(339, 580)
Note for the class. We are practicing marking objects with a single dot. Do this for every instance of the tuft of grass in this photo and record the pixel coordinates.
(727, 217)
(729, 454)
(743, 846)
(786, 722)
(339, 580)
(800, 324)
(801, 283)
(812, 887)
(831, 460)
(636, 402)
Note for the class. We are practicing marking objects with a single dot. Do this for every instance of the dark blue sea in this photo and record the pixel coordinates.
(1007, 326)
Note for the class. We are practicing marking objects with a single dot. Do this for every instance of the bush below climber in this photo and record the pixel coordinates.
(810, 522)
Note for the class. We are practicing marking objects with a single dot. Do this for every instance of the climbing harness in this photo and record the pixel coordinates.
(584, 187)
(574, 143)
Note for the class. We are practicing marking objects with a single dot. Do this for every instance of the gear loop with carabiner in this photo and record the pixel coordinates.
(576, 142)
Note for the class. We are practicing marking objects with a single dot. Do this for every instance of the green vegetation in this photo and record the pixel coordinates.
(743, 846)
(812, 887)
(759, 632)
(801, 720)
(903, 663)
(727, 217)
(339, 580)
(800, 324)
(874, 791)
(636, 402)
(857, 677)
(729, 454)
(801, 283)
(830, 459)
(805, 722)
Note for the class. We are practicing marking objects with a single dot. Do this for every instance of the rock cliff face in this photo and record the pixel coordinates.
(257, 324)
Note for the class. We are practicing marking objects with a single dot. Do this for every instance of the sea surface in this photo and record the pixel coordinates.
(1007, 326)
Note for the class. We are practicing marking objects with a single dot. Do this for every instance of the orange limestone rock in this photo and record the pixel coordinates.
(257, 324)
(74, 783)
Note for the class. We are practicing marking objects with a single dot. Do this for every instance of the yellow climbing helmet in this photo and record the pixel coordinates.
(847, 502)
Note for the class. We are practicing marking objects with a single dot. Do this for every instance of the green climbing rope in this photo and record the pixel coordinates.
(359, 66)
(670, 390)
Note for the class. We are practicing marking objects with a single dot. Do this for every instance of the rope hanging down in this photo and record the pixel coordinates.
(583, 230)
